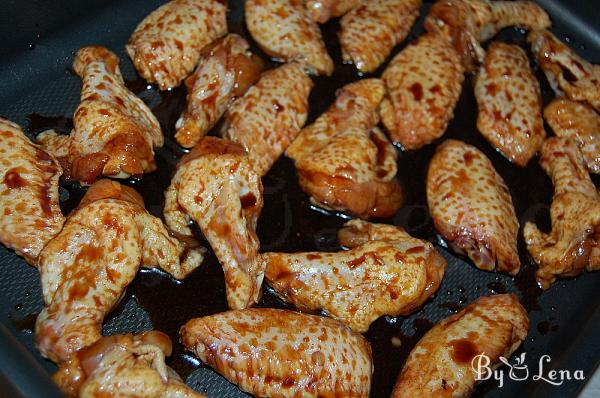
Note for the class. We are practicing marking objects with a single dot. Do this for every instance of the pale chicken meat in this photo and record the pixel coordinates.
(509, 103)
(579, 122)
(440, 365)
(372, 29)
(323, 10)
(344, 161)
(123, 366)
(216, 186)
(270, 115)
(572, 244)
(471, 207)
(467, 23)
(388, 273)
(85, 269)
(567, 72)
(225, 72)
(278, 353)
(29, 200)
(423, 85)
(284, 30)
(166, 46)
(114, 132)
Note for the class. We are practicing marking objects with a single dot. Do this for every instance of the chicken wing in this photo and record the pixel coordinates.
(225, 72)
(278, 353)
(509, 102)
(323, 10)
(270, 115)
(31, 216)
(283, 30)
(579, 122)
(467, 23)
(440, 365)
(572, 245)
(216, 186)
(123, 366)
(390, 274)
(166, 46)
(114, 133)
(370, 31)
(471, 207)
(344, 162)
(87, 266)
(566, 71)
(423, 84)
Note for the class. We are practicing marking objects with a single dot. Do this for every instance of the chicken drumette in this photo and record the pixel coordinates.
(216, 186)
(278, 353)
(323, 10)
(85, 269)
(572, 245)
(224, 73)
(166, 45)
(114, 133)
(385, 272)
(344, 161)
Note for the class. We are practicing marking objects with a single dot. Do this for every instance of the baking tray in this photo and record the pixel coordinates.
(38, 91)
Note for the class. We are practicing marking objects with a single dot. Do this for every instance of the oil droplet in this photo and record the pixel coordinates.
(18, 307)
(396, 342)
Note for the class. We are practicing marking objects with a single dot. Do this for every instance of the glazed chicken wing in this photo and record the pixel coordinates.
(31, 216)
(440, 364)
(323, 10)
(509, 103)
(278, 353)
(370, 31)
(224, 73)
(423, 84)
(471, 207)
(283, 30)
(390, 274)
(87, 266)
(346, 163)
(467, 23)
(579, 122)
(216, 186)
(270, 115)
(131, 366)
(114, 133)
(166, 45)
(566, 71)
(572, 245)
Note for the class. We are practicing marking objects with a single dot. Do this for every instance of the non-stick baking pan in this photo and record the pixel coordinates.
(39, 91)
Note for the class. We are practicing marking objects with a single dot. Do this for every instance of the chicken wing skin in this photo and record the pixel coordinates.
(566, 71)
(114, 133)
(423, 84)
(166, 46)
(509, 103)
(467, 23)
(225, 72)
(123, 366)
(370, 31)
(440, 364)
(471, 207)
(572, 245)
(344, 161)
(270, 115)
(393, 275)
(278, 353)
(283, 30)
(216, 186)
(323, 10)
(31, 215)
(85, 269)
(579, 122)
